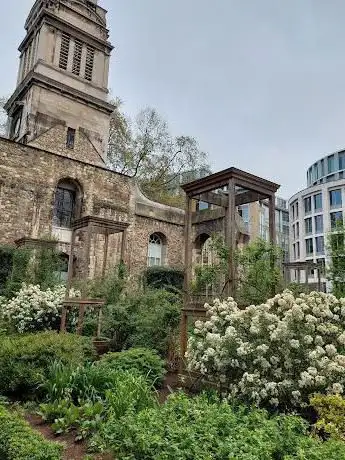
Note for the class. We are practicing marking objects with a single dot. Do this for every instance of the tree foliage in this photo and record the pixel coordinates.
(336, 266)
(3, 116)
(145, 148)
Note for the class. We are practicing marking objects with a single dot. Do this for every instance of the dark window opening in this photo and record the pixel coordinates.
(70, 138)
(64, 207)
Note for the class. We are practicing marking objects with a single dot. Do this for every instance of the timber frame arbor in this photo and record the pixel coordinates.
(94, 226)
(226, 189)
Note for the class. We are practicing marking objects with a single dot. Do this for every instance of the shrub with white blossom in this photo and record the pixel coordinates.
(33, 309)
(277, 353)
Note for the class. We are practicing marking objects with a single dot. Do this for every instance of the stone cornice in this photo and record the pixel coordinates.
(48, 17)
(36, 79)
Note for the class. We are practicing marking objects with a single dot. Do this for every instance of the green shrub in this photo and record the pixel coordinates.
(164, 278)
(87, 382)
(142, 360)
(331, 415)
(19, 442)
(91, 396)
(143, 319)
(201, 429)
(24, 359)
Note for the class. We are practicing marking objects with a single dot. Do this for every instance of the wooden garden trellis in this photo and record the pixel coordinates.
(305, 266)
(94, 226)
(226, 190)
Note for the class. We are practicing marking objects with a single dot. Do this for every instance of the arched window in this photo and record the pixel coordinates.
(156, 251)
(66, 203)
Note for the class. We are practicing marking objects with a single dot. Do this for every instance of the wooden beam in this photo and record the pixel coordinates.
(248, 197)
(216, 199)
(272, 218)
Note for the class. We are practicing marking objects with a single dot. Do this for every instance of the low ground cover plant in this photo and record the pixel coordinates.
(278, 353)
(144, 361)
(81, 398)
(201, 428)
(18, 441)
(24, 359)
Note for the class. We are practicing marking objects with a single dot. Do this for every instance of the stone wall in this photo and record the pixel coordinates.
(28, 179)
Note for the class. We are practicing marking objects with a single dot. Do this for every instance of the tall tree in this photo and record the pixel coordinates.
(144, 148)
(3, 116)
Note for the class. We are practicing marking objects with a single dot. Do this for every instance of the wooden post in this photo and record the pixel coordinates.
(272, 232)
(105, 253)
(187, 276)
(69, 283)
(99, 325)
(230, 237)
(123, 245)
(81, 319)
(272, 218)
(183, 336)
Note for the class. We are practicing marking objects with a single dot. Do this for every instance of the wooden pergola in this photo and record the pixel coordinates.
(306, 266)
(93, 226)
(226, 190)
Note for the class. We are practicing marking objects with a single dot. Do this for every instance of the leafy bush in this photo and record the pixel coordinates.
(19, 442)
(33, 309)
(277, 353)
(199, 429)
(90, 397)
(24, 359)
(144, 361)
(164, 278)
(87, 382)
(143, 319)
(331, 415)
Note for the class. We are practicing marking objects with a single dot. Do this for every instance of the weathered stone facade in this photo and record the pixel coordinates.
(28, 181)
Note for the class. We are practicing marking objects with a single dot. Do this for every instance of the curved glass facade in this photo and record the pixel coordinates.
(328, 169)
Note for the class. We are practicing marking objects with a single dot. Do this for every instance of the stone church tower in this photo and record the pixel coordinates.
(61, 103)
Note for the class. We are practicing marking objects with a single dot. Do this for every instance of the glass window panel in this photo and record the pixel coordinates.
(318, 224)
(307, 205)
(330, 163)
(308, 226)
(309, 246)
(319, 245)
(335, 200)
(336, 218)
(318, 201)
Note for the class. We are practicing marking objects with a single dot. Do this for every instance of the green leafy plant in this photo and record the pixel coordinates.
(144, 361)
(18, 441)
(25, 359)
(201, 428)
(336, 253)
(331, 415)
(143, 319)
(164, 278)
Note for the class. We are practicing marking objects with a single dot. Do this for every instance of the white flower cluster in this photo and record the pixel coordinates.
(33, 309)
(277, 353)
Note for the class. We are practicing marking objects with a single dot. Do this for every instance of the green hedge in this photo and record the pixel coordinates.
(144, 361)
(25, 359)
(18, 441)
(164, 278)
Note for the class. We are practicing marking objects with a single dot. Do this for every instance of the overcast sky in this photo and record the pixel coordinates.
(259, 83)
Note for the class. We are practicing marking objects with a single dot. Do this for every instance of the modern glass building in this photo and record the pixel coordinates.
(315, 211)
(329, 169)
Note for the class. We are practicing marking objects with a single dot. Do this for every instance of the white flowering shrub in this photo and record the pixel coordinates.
(33, 309)
(277, 353)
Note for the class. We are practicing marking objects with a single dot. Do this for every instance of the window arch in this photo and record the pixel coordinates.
(203, 249)
(67, 203)
(156, 250)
